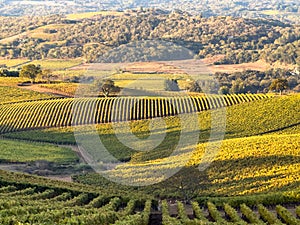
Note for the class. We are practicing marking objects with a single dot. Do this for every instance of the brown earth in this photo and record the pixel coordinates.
(37, 88)
(180, 66)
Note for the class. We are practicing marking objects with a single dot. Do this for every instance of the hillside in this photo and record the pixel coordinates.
(283, 10)
(157, 112)
(277, 118)
(240, 40)
(253, 174)
(256, 163)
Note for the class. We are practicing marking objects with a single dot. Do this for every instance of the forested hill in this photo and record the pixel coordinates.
(239, 39)
(284, 10)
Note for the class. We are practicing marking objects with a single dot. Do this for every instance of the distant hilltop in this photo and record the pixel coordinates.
(284, 10)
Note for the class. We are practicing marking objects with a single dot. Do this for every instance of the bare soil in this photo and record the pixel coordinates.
(175, 67)
(37, 88)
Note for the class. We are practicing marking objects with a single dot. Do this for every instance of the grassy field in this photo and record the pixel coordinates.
(54, 64)
(271, 12)
(13, 62)
(79, 16)
(11, 81)
(260, 65)
(40, 33)
(69, 73)
(18, 151)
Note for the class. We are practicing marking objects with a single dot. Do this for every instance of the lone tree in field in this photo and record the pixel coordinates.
(171, 85)
(30, 71)
(107, 86)
(279, 85)
(193, 86)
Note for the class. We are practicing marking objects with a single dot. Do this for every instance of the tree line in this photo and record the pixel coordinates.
(251, 81)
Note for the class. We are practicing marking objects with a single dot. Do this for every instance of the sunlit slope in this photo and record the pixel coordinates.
(12, 151)
(12, 94)
(260, 152)
(81, 111)
(242, 166)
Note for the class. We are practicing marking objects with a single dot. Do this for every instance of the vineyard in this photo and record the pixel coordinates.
(60, 203)
(243, 166)
(229, 215)
(253, 179)
(43, 202)
(59, 112)
(12, 94)
(195, 120)
(243, 120)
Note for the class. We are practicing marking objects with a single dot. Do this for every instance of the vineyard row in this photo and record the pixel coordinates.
(81, 111)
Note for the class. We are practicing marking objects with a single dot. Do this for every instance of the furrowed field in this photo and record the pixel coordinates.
(253, 178)
(12, 94)
(149, 116)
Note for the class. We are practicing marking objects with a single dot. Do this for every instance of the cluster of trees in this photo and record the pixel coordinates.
(171, 85)
(239, 39)
(191, 86)
(106, 86)
(11, 26)
(146, 51)
(32, 72)
(8, 73)
(251, 81)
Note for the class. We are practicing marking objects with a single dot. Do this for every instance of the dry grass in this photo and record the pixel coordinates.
(91, 14)
(271, 12)
(39, 32)
(57, 64)
(13, 62)
(259, 65)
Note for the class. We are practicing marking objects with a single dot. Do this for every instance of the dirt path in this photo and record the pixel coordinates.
(40, 89)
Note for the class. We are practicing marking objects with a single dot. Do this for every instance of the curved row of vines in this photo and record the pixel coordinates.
(81, 111)
(33, 206)
(227, 214)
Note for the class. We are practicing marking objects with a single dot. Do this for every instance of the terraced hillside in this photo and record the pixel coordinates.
(252, 180)
(67, 112)
(259, 154)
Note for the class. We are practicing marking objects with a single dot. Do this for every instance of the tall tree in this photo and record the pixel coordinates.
(194, 86)
(106, 86)
(30, 71)
(171, 85)
(279, 85)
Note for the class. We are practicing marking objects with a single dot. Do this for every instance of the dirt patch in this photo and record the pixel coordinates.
(213, 59)
(175, 67)
(260, 65)
(61, 178)
(37, 88)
